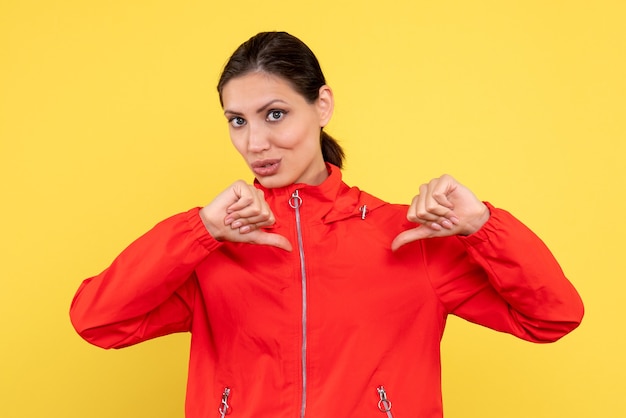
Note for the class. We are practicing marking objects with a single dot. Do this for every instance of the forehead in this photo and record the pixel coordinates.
(255, 89)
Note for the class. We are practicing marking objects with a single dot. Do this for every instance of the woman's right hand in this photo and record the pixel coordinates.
(238, 214)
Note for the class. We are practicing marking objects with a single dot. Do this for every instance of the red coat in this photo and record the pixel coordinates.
(371, 318)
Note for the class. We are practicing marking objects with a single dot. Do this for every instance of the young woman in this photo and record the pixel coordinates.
(309, 298)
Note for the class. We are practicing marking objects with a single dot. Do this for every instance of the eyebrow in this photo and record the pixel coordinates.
(259, 110)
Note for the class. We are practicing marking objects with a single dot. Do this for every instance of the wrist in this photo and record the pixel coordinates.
(210, 226)
(480, 220)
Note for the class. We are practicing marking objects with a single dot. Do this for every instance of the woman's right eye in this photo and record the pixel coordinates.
(237, 121)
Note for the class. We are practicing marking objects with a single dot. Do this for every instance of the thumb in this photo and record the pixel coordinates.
(410, 235)
(273, 240)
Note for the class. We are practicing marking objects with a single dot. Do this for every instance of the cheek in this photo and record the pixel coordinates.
(237, 142)
(297, 136)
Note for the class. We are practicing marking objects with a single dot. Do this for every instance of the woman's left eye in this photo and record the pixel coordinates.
(275, 115)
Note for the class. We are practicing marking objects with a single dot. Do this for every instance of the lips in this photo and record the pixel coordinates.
(265, 167)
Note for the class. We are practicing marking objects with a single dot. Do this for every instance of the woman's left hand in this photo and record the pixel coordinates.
(443, 207)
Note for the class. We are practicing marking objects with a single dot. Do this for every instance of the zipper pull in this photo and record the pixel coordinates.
(224, 408)
(384, 404)
(295, 201)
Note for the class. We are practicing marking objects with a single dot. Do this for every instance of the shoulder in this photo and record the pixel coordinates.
(389, 218)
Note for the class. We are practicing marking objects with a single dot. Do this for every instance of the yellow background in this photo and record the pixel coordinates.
(109, 122)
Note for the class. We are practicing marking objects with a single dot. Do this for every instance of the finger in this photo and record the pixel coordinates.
(424, 231)
(246, 229)
(274, 240)
(410, 235)
(252, 211)
(261, 218)
(245, 196)
(411, 214)
(440, 198)
(422, 212)
(450, 221)
(441, 190)
(434, 203)
(422, 209)
(425, 209)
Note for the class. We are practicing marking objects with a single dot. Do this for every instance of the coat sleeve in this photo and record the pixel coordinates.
(504, 277)
(149, 289)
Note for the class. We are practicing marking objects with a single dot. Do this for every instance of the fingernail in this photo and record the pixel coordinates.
(454, 220)
(435, 226)
(244, 229)
(236, 224)
(447, 224)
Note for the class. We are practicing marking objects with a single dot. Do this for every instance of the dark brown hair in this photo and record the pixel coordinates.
(285, 56)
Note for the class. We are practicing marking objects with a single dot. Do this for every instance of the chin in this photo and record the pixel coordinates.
(273, 182)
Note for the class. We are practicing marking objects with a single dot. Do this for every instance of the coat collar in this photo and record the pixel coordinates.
(330, 201)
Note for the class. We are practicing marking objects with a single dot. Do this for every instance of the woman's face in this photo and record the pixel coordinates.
(276, 130)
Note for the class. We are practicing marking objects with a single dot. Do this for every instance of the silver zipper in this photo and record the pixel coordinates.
(224, 408)
(384, 404)
(295, 202)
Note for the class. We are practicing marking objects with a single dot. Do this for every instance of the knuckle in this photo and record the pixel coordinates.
(430, 207)
(439, 194)
(247, 200)
(422, 213)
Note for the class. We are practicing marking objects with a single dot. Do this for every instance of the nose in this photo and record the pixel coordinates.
(258, 138)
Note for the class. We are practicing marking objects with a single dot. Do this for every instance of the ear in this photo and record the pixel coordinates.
(325, 105)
